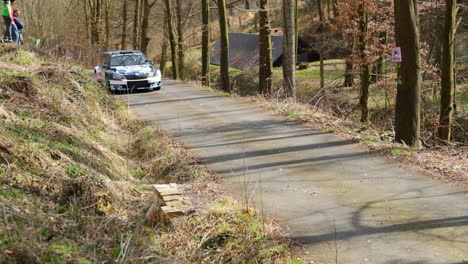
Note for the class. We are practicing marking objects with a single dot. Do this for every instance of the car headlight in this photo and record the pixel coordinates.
(117, 76)
(155, 73)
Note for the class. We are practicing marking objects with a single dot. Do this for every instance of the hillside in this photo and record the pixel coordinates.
(75, 166)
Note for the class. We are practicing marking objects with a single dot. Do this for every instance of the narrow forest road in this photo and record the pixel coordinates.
(327, 193)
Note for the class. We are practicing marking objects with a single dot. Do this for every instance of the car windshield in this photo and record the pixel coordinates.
(127, 60)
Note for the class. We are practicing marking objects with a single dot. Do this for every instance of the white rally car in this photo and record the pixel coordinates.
(128, 71)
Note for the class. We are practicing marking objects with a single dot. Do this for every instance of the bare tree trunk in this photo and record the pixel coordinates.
(107, 11)
(92, 8)
(223, 26)
(247, 4)
(322, 70)
(265, 59)
(365, 75)
(123, 41)
(296, 26)
(289, 49)
(96, 16)
(170, 31)
(377, 69)
(180, 40)
(206, 43)
(447, 76)
(162, 63)
(87, 11)
(140, 22)
(349, 76)
(144, 38)
(438, 43)
(407, 108)
(136, 24)
(335, 9)
(320, 10)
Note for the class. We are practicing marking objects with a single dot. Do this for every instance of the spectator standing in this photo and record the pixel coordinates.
(7, 14)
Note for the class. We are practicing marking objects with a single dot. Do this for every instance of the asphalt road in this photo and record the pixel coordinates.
(341, 202)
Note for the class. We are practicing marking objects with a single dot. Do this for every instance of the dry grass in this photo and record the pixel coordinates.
(226, 233)
(75, 166)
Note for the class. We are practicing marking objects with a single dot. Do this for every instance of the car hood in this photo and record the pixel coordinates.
(134, 69)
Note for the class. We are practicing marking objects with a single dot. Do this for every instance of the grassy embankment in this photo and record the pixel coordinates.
(75, 166)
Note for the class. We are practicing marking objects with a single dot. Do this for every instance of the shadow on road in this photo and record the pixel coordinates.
(329, 158)
(258, 153)
(174, 100)
(413, 226)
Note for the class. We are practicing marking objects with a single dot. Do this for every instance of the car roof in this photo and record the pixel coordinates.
(118, 52)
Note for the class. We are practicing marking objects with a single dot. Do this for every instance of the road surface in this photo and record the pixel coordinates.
(340, 201)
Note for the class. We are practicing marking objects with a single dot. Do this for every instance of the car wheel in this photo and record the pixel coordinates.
(107, 84)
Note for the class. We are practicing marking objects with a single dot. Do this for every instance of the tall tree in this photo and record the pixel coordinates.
(163, 61)
(265, 59)
(136, 24)
(172, 41)
(224, 35)
(289, 49)
(296, 25)
(365, 75)
(144, 38)
(447, 76)
(94, 9)
(349, 75)
(206, 43)
(407, 108)
(335, 10)
(123, 40)
(320, 10)
(377, 68)
(322, 68)
(107, 14)
(362, 27)
(247, 4)
(180, 39)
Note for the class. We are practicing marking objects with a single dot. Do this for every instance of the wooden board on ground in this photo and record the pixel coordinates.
(168, 202)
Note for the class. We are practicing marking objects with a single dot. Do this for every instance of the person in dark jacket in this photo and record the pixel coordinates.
(18, 27)
(19, 23)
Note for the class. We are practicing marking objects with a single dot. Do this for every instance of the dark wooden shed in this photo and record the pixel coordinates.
(244, 51)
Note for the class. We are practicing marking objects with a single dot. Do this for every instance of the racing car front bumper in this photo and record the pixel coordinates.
(152, 83)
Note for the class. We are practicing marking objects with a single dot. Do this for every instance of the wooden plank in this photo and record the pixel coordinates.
(166, 190)
(170, 192)
(170, 202)
(174, 204)
(164, 186)
(172, 198)
(172, 212)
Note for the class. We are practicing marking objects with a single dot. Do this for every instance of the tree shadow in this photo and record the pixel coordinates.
(274, 151)
(174, 100)
(325, 158)
(360, 229)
